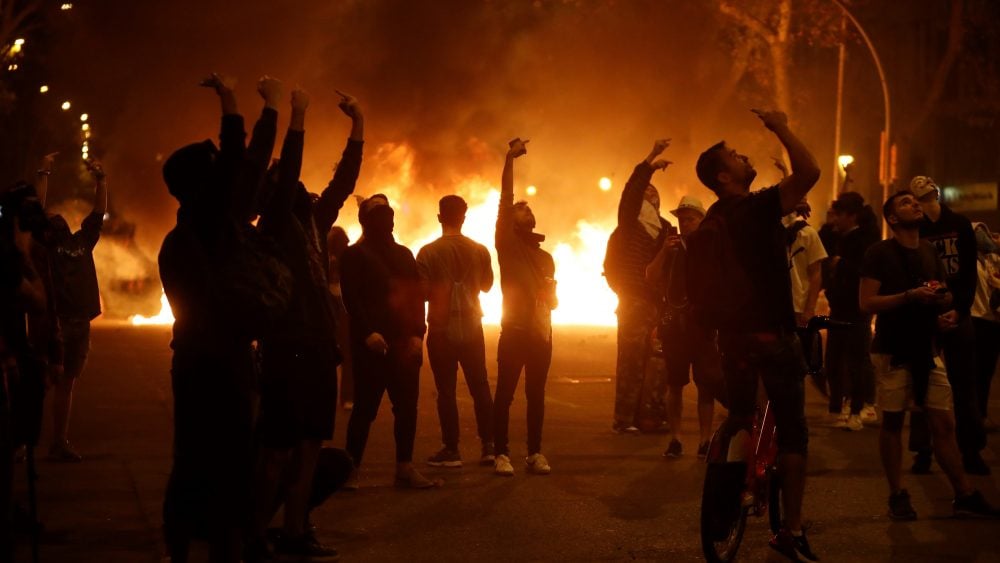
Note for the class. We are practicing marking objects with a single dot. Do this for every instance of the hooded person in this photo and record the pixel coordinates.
(382, 294)
(222, 294)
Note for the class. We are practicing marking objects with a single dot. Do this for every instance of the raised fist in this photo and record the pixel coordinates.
(300, 99)
(517, 147)
(269, 88)
(349, 105)
(219, 82)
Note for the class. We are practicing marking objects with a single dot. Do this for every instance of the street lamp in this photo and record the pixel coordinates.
(844, 160)
(604, 184)
(885, 142)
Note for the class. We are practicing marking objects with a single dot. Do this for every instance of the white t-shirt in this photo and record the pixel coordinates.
(806, 250)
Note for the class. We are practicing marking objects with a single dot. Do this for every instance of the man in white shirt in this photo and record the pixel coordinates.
(805, 257)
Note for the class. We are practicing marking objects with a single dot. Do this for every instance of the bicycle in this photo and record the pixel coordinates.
(741, 478)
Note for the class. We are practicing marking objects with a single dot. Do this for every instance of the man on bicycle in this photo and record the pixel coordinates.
(739, 265)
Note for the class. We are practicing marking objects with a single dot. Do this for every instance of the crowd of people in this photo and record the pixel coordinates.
(270, 298)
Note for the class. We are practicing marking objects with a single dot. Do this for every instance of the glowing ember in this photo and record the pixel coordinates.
(531, 190)
(164, 317)
(604, 184)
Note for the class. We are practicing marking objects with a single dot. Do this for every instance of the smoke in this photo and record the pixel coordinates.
(445, 84)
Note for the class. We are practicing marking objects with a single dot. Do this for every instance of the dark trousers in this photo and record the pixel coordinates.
(987, 352)
(849, 368)
(445, 356)
(960, 361)
(519, 349)
(375, 375)
(209, 489)
(636, 320)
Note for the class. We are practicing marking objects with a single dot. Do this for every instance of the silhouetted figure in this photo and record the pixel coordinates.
(336, 243)
(383, 297)
(300, 355)
(453, 270)
(527, 279)
(631, 247)
(224, 292)
(78, 301)
(951, 235)
(747, 295)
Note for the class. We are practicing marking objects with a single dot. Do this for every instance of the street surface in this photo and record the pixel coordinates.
(609, 498)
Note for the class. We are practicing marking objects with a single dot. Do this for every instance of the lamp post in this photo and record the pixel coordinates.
(885, 140)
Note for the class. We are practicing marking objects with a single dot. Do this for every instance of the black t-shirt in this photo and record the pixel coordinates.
(898, 269)
(74, 274)
(759, 241)
(843, 286)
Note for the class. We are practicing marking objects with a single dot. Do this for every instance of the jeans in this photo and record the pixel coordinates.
(778, 361)
(519, 349)
(374, 375)
(445, 357)
(849, 367)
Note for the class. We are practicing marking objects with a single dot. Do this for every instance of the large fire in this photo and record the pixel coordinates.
(584, 296)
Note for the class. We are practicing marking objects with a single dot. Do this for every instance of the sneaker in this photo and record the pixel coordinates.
(302, 548)
(537, 464)
(446, 457)
(793, 547)
(353, 482)
(974, 464)
(487, 459)
(62, 451)
(973, 505)
(900, 507)
(412, 479)
(838, 420)
(854, 423)
(674, 450)
(869, 415)
(502, 466)
(624, 429)
(921, 463)
(703, 450)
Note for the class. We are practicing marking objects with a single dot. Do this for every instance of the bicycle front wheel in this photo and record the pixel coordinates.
(723, 518)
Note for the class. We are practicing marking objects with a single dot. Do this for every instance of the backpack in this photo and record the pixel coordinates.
(461, 307)
(613, 256)
(717, 285)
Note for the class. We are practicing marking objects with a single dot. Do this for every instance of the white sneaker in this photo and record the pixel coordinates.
(869, 415)
(538, 465)
(854, 423)
(502, 466)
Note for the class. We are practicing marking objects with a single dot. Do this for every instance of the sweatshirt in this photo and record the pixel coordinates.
(953, 238)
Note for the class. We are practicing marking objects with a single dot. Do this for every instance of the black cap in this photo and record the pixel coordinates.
(851, 203)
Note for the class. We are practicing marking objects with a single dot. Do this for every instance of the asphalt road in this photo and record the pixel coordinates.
(609, 498)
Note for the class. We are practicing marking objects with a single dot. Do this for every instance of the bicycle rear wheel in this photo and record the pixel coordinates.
(723, 518)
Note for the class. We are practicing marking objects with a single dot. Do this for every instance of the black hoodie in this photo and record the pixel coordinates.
(955, 242)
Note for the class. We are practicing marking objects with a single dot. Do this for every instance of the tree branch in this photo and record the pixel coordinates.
(956, 34)
(748, 21)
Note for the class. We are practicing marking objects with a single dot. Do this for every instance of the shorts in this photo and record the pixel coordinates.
(895, 386)
(691, 350)
(76, 346)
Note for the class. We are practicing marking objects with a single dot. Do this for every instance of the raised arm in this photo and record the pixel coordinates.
(505, 225)
(101, 187)
(290, 166)
(260, 149)
(345, 176)
(805, 170)
(635, 188)
(42, 176)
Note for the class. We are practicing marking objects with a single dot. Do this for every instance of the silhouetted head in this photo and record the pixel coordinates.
(190, 172)
(451, 211)
(724, 171)
(845, 212)
(337, 240)
(523, 218)
(58, 230)
(376, 217)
